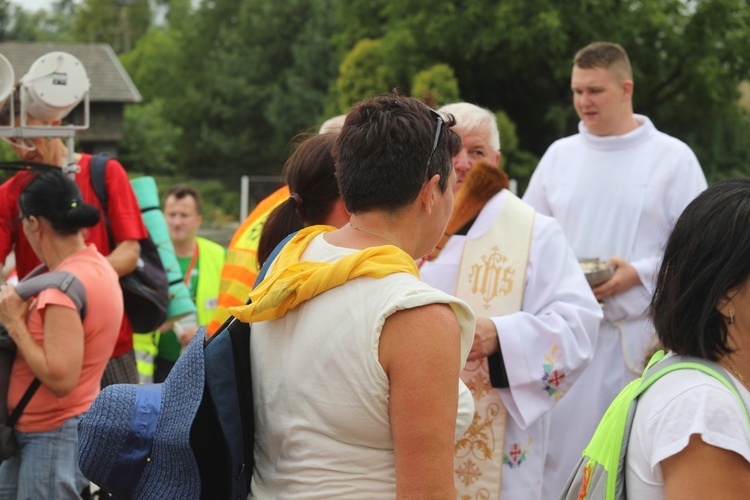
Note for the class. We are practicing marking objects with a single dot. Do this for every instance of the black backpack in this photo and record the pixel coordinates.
(145, 291)
(32, 284)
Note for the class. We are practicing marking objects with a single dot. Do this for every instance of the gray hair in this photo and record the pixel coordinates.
(471, 118)
(332, 125)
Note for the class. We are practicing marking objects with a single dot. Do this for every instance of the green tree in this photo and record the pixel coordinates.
(43, 25)
(150, 140)
(254, 73)
(119, 23)
(439, 81)
(152, 64)
(363, 73)
(688, 59)
(517, 163)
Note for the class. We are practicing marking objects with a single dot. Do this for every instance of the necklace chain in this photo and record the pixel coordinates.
(372, 233)
(728, 364)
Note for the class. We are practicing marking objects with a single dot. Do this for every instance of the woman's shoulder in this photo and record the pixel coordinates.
(687, 402)
(89, 265)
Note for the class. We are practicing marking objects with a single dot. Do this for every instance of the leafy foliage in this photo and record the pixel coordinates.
(53, 25)
(228, 83)
(149, 139)
(439, 81)
(363, 74)
(516, 56)
(117, 22)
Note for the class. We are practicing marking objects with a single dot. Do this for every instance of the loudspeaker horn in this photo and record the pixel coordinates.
(53, 86)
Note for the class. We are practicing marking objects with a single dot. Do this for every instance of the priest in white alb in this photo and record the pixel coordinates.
(537, 318)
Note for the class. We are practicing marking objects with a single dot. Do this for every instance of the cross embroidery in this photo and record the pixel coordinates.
(515, 452)
(556, 378)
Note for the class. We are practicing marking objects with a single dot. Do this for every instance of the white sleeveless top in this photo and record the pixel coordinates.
(322, 427)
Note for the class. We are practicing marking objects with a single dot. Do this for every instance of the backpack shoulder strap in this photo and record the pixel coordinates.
(62, 280)
(31, 285)
(271, 257)
(98, 168)
(229, 382)
(600, 474)
(712, 368)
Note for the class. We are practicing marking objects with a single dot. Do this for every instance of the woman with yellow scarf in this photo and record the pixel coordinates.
(356, 361)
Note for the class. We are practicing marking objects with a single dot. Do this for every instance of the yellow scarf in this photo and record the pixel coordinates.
(292, 282)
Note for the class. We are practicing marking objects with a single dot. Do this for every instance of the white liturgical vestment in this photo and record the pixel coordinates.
(545, 346)
(613, 196)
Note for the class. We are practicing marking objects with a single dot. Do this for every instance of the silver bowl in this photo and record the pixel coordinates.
(596, 271)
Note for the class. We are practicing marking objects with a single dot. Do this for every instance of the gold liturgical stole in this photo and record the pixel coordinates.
(491, 280)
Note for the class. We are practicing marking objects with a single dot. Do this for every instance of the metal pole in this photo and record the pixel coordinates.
(244, 196)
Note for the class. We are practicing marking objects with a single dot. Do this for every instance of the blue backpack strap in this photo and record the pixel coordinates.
(227, 363)
(271, 257)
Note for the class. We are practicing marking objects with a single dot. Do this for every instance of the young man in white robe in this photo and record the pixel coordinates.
(536, 317)
(616, 188)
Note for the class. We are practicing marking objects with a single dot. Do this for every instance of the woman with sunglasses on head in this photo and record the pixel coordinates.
(355, 361)
(66, 353)
(690, 436)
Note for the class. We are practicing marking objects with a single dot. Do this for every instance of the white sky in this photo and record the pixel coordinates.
(32, 5)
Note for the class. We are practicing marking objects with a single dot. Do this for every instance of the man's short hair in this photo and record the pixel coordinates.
(472, 118)
(607, 55)
(181, 190)
(384, 153)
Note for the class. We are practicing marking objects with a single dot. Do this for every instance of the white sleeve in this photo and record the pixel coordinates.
(686, 181)
(694, 403)
(547, 345)
(535, 194)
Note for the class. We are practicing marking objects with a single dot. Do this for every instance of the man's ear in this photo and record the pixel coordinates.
(494, 158)
(627, 89)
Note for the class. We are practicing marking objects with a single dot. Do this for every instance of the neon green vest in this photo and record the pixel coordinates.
(601, 472)
(210, 261)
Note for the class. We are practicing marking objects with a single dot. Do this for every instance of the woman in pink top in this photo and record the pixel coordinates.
(65, 353)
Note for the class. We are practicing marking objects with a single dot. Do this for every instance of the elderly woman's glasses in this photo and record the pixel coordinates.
(437, 135)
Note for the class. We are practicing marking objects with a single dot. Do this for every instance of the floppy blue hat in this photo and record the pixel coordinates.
(134, 441)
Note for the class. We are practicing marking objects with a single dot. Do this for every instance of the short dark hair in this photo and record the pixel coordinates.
(607, 55)
(181, 190)
(56, 197)
(310, 175)
(383, 149)
(707, 255)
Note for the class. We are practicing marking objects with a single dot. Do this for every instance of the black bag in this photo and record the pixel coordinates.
(36, 281)
(145, 291)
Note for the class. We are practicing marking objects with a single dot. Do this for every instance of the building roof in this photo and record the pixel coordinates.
(109, 80)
